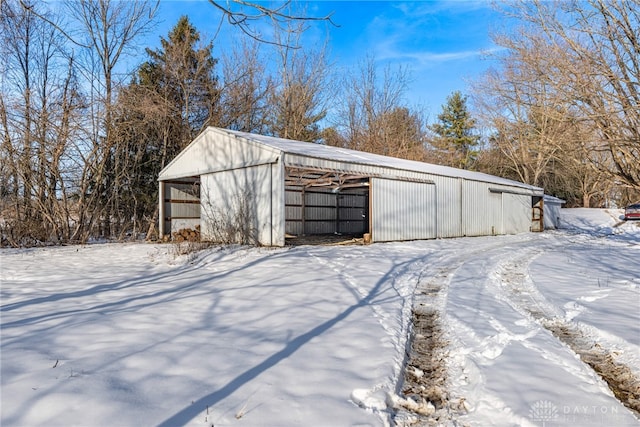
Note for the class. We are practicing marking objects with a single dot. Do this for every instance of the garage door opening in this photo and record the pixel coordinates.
(326, 203)
(180, 214)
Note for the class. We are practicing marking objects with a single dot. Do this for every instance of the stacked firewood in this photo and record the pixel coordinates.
(186, 235)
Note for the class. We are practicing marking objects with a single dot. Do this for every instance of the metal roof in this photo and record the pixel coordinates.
(325, 152)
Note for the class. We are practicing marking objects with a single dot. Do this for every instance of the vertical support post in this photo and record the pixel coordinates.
(302, 211)
(161, 213)
(338, 212)
(271, 204)
(370, 209)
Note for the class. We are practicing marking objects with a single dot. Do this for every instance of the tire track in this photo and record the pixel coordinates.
(513, 275)
(427, 398)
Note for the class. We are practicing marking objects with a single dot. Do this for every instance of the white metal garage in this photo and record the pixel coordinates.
(263, 187)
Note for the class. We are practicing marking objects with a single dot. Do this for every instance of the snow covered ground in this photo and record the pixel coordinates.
(130, 334)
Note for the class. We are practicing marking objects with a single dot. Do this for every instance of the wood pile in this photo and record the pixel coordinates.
(186, 235)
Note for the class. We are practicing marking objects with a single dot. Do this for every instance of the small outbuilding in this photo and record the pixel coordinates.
(552, 206)
(236, 186)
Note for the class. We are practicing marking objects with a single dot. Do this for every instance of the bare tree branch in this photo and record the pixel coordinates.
(252, 12)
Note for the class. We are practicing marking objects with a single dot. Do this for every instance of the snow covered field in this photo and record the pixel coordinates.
(130, 334)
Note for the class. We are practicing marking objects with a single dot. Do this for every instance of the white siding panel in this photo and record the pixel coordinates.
(552, 206)
(481, 210)
(240, 196)
(516, 213)
(449, 199)
(402, 210)
(276, 185)
(214, 151)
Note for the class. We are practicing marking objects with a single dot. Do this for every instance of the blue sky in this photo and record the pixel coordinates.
(440, 42)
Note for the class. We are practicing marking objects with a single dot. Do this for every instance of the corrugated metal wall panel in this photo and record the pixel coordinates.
(552, 214)
(175, 191)
(181, 205)
(226, 195)
(516, 213)
(293, 213)
(449, 199)
(316, 213)
(185, 210)
(293, 197)
(277, 204)
(402, 210)
(481, 210)
(320, 199)
(213, 151)
(326, 212)
(320, 227)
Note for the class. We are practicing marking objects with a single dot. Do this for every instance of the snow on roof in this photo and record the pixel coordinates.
(327, 152)
(551, 199)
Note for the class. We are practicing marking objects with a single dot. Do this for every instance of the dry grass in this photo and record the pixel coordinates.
(426, 374)
(427, 401)
(620, 379)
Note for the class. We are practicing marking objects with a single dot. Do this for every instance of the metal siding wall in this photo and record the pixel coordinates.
(353, 213)
(293, 214)
(183, 215)
(516, 213)
(185, 210)
(551, 215)
(222, 193)
(277, 204)
(481, 210)
(464, 207)
(321, 213)
(402, 210)
(215, 151)
(449, 199)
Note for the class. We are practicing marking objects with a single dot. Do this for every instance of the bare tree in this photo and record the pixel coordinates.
(172, 97)
(594, 69)
(244, 14)
(39, 105)
(298, 98)
(373, 117)
(245, 90)
(109, 28)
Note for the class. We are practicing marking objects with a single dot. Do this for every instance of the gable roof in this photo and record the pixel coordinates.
(327, 152)
(208, 154)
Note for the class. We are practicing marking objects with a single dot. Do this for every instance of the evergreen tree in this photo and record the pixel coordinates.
(171, 99)
(455, 136)
(182, 73)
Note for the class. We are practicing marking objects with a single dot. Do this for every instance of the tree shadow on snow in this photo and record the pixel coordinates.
(188, 413)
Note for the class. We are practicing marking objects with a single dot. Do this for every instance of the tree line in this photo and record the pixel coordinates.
(82, 144)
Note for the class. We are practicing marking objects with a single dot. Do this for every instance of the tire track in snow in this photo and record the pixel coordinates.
(513, 275)
(427, 383)
(478, 335)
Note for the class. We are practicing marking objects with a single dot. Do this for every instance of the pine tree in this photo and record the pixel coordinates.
(172, 98)
(182, 74)
(454, 131)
